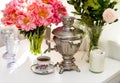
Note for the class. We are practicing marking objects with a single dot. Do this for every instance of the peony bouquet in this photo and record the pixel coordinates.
(32, 17)
(95, 14)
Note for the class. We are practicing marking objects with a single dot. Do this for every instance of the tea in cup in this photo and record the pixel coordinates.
(43, 62)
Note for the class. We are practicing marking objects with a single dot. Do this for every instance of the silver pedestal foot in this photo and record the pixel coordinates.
(61, 69)
(77, 69)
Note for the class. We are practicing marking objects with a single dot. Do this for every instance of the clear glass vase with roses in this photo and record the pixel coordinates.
(32, 17)
(94, 14)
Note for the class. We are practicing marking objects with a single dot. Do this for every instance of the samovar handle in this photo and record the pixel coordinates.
(48, 40)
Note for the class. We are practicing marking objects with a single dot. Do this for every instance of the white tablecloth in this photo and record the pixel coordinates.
(23, 74)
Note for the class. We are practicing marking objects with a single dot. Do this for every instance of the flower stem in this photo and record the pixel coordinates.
(35, 38)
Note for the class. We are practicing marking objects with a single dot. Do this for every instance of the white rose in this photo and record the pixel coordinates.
(109, 15)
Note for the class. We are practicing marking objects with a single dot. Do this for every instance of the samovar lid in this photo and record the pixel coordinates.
(66, 31)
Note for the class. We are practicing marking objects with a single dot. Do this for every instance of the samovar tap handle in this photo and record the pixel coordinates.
(49, 49)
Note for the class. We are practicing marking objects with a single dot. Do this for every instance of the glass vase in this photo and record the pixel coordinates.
(35, 38)
(96, 60)
(35, 44)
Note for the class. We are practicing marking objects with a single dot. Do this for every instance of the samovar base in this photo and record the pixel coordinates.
(62, 69)
(68, 65)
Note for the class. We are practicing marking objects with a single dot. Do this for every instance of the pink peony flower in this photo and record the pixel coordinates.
(8, 20)
(59, 11)
(42, 15)
(109, 15)
(25, 23)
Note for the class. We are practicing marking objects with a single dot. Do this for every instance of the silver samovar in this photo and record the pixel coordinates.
(67, 44)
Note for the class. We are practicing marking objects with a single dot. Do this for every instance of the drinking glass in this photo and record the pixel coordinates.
(11, 43)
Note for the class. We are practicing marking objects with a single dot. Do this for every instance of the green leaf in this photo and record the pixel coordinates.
(94, 4)
(111, 5)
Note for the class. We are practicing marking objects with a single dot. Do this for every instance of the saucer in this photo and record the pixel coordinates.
(35, 68)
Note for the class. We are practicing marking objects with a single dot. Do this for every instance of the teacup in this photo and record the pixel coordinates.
(43, 62)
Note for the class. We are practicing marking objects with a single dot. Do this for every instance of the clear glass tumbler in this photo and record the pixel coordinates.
(10, 42)
(12, 46)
